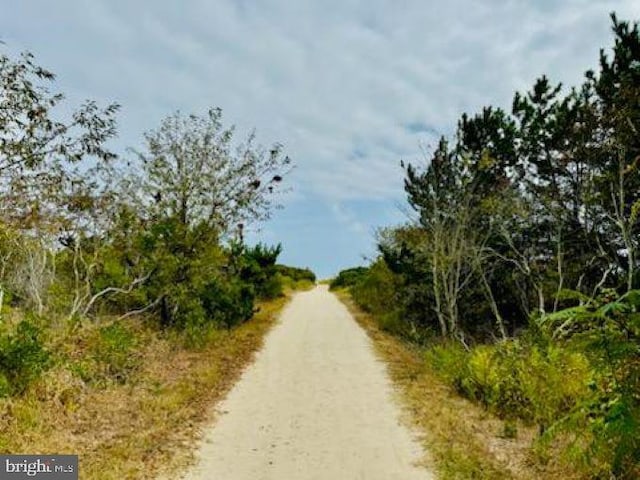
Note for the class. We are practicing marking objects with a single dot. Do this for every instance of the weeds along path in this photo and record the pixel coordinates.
(316, 404)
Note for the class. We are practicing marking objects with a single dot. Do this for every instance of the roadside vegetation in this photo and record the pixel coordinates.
(518, 278)
(126, 284)
(127, 397)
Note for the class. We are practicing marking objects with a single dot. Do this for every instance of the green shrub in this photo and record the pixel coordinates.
(554, 380)
(272, 287)
(576, 373)
(23, 357)
(348, 278)
(110, 356)
(397, 324)
(228, 303)
(483, 380)
(392, 322)
(291, 278)
(514, 380)
(607, 329)
(296, 274)
(449, 360)
(258, 269)
(303, 285)
(114, 351)
(375, 289)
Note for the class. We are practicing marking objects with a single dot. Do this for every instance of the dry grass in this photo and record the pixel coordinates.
(464, 441)
(140, 427)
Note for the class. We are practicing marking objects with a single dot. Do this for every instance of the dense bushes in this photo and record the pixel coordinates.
(575, 374)
(523, 258)
(348, 277)
(155, 232)
(377, 291)
(520, 207)
(607, 330)
(228, 303)
(219, 287)
(109, 354)
(90, 238)
(258, 268)
(515, 379)
(23, 357)
(296, 274)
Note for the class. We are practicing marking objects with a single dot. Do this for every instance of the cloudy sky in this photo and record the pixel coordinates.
(350, 87)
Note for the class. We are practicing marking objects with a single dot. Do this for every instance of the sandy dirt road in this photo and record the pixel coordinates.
(316, 404)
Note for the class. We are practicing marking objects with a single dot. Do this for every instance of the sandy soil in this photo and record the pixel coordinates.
(316, 404)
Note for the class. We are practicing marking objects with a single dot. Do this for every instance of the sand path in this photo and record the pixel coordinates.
(316, 404)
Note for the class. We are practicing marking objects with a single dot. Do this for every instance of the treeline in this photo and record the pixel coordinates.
(525, 239)
(86, 235)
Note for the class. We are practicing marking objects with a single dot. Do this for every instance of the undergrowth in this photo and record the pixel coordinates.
(127, 397)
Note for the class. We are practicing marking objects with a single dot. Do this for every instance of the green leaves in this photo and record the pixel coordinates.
(23, 357)
(608, 331)
(193, 170)
(38, 150)
(526, 225)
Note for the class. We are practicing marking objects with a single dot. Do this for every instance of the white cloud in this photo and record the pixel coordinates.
(343, 83)
(347, 218)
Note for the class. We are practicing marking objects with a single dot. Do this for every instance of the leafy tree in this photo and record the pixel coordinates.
(192, 191)
(535, 203)
(527, 225)
(259, 269)
(38, 152)
(192, 171)
(616, 155)
(50, 170)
